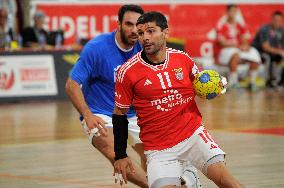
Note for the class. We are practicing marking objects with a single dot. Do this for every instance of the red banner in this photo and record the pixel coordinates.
(194, 23)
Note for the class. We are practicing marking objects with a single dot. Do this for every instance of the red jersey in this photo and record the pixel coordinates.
(163, 97)
(232, 32)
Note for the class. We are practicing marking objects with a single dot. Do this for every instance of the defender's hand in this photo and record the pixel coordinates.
(96, 125)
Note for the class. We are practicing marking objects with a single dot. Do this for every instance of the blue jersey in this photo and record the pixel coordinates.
(95, 71)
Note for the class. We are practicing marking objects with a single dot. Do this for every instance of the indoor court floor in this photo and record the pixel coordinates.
(42, 144)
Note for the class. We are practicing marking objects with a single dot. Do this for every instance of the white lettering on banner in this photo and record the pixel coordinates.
(93, 28)
(105, 23)
(82, 22)
(54, 22)
(82, 26)
(67, 22)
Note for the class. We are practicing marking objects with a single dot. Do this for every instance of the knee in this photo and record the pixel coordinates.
(220, 175)
(235, 58)
(254, 65)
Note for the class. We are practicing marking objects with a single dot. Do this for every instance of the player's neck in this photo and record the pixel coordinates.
(231, 20)
(120, 44)
(158, 57)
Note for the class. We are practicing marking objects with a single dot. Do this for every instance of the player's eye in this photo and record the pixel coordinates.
(129, 24)
(140, 33)
(151, 31)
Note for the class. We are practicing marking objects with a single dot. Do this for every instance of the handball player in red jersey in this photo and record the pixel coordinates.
(158, 82)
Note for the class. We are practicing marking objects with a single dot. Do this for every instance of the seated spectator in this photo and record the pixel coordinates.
(234, 48)
(269, 41)
(6, 33)
(36, 36)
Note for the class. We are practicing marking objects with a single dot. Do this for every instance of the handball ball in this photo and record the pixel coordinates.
(207, 84)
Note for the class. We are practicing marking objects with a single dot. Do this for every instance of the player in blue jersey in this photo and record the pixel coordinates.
(90, 86)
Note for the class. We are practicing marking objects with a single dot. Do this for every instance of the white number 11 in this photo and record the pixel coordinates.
(167, 76)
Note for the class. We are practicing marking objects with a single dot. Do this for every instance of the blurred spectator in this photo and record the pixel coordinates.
(234, 49)
(36, 36)
(6, 33)
(269, 40)
(11, 7)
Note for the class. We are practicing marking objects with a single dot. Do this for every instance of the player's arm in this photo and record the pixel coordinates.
(270, 49)
(120, 131)
(84, 70)
(76, 96)
(244, 46)
(123, 100)
(264, 39)
(224, 42)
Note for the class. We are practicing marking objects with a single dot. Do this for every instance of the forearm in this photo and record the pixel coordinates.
(76, 96)
(120, 132)
(270, 49)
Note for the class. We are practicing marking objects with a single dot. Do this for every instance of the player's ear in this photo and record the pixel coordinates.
(118, 25)
(167, 33)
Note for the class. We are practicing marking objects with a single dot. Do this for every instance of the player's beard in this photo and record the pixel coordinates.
(126, 39)
(155, 48)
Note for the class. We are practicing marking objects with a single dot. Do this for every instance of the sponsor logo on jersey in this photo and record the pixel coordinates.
(147, 82)
(173, 99)
(178, 73)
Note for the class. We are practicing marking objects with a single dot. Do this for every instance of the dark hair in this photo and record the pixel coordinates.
(277, 13)
(125, 8)
(229, 6)
(153, 16)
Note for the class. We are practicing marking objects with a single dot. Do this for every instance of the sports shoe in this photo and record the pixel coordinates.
(190, 178)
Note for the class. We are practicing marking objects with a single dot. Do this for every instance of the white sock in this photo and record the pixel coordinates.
(233, 78)
(253, 75)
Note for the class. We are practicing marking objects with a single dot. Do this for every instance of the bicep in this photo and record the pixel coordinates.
(193, 69)
(120, 111)
(123, 91)
(263, 37)
(85, 66)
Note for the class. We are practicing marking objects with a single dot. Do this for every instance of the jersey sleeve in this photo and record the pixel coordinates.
(263, 35)
(220, 31)
(123, 90)
(193, 68)
(85, 66)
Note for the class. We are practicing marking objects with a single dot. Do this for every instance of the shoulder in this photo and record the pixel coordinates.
(101, 40)
(178, 53)
(265, 28)
(180, 56)
(128, 67)
(98, 43)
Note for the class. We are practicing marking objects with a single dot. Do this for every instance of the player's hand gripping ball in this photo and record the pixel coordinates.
(208, 84)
